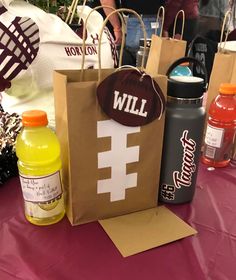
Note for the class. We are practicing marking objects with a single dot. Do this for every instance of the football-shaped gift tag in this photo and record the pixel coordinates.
(131, 97)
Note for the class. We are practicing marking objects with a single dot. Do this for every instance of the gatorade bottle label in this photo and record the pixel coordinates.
(42, 195)
(219, 142)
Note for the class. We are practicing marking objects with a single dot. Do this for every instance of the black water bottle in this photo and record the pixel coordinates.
(183, 133)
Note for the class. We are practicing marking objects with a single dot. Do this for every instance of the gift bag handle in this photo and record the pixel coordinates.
(161, 9)
(102, 29)
(121, 10)
(183, 23)
(192, 60)
(228, 16)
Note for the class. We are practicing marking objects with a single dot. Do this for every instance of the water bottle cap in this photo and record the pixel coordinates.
(34, 118)
(227, 88)
(185, 87)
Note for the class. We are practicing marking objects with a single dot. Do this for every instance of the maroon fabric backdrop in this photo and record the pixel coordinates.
(60, 251)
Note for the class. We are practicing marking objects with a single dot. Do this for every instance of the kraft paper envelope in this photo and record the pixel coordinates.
(143, 230)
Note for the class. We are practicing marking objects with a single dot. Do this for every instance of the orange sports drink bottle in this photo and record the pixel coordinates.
(221, 127)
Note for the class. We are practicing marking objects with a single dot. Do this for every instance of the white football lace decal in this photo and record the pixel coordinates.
(117, 158)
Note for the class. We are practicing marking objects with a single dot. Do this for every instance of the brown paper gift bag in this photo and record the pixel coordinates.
(164, 51)
(78, 118)
(224, 67)
(223, 71)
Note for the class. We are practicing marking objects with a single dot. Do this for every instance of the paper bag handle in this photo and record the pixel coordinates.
(189, 59)
(102, 29)
(183, 23)
(161, 9)
(121, 10)
(228, 16)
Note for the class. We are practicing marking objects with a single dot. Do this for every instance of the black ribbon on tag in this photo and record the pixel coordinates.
(131, 97)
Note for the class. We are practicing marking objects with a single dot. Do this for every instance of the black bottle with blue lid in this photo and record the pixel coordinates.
(184, 125)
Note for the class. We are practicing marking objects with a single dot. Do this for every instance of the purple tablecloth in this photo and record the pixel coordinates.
(63, 252)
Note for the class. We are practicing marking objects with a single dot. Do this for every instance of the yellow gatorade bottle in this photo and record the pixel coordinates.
(39, 164)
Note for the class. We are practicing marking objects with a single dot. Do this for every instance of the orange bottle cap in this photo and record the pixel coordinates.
(184, 64)
(227, 88)
(34, 118)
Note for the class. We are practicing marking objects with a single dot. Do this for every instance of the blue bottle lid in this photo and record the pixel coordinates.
(181, 70)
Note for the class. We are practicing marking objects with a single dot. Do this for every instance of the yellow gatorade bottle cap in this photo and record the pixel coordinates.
(227, 88)
(34, 118)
